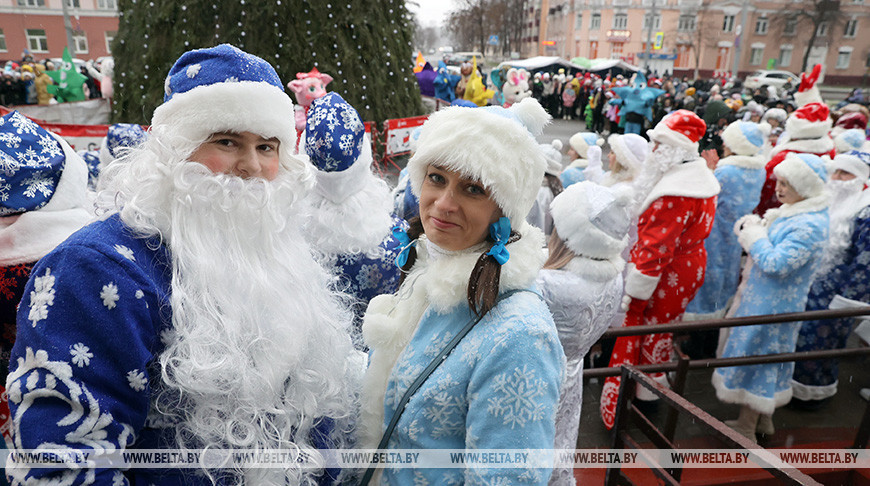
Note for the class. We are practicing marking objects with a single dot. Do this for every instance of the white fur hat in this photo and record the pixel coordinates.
(745, 138)
(631, 150)
(848, 140)
(223, 88)
(493, 145)
(581, 141)
(553, 153)
(593, 220)
(806, 173)
(809, 121)
(777, 114)
(854, 162)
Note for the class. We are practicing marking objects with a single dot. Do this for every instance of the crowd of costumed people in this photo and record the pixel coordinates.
(239, 277)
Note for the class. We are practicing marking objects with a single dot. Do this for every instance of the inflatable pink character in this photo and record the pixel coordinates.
(307, 87)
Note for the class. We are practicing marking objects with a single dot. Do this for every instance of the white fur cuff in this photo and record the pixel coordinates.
(638, 285)
(338, 186)
(750, 234)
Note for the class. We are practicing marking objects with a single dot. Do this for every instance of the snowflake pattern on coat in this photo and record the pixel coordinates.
(850, 278)
(31, 165)
(507, 394)
(741, 188)
(777, 282)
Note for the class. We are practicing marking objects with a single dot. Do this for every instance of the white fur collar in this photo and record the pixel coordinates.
(579, 162)
(808, 205)
(596, 270)
(819, 146)
(745, 161)
(691, 179)
(391, 320)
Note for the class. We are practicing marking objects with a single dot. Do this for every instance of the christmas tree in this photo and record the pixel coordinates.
(364, 44)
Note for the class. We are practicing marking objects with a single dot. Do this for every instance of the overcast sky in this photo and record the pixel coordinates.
(431, 11)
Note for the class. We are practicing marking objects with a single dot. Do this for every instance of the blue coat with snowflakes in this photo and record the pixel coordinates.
(776, 281)
(499, 388)
(741, 178)
(83, 372)
(849, 278)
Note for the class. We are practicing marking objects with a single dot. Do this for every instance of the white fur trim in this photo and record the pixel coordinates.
(808, 205)
(811, 95)
(337, 186)
(800, 176)
(818, 146)
(744, 161)
(690, 179)
(596, 270)
(808, 392)
(105, 156)
(571, 211)
(580, 163)
(391, 320)
(244, 106)
(662, 134)
(850, 164)
(743, 397)
(750, 234)
(624, 156)
(496, 151)
(799, 128)
(578, 143)
(734, 139)
(27, 237)
(638, 285)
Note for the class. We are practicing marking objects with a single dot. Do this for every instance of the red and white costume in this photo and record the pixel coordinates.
(669, 259)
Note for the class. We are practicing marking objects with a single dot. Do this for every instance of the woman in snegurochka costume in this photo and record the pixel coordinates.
(472, 261)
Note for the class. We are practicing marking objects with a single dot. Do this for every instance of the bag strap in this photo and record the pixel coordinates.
(424, 375)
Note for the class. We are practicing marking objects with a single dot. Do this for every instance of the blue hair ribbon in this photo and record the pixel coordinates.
(500, 231)
(405, 242)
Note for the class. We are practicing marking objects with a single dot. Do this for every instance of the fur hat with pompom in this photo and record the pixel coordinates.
(630, 149)
(682, 128)
(593, 220)
(806, 173)
(492, 145)
(553, 153)
(848, 140)
(745, 138)
(581, 141)
(809, 121)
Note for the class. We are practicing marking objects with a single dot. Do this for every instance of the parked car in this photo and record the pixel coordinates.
(777, 79)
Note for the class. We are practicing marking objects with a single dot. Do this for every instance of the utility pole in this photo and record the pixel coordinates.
(740, 39)
(542, 28)
(652, 21)
(67, 25)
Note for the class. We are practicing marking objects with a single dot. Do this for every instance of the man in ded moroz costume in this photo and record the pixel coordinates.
(193, 315)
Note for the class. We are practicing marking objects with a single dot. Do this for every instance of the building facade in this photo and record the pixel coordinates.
(37, 27)
(705, 35)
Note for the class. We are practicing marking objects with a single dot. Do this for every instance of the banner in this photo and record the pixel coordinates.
(398, 133)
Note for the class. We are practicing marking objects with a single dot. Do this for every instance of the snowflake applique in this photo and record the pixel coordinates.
(446, 415)
(673, 280)
(10, 140)
(8, 165)
(369, 276)
(136, 379)
(346, 144)
(30, 157)
(193, 70)
(516, 397)
(81, 355)
(50, 146)
(350, 121)
(109, 294)
(23, 125)
(4, 191)
(231, 79)
(331, 119)
(38, 183)
(125, 252)
(41, 297)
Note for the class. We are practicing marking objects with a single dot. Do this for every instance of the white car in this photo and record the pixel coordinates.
(777, 79)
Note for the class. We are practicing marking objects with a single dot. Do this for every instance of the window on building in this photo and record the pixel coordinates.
(790, 26)
(36, 40)
(620, 21)
(616, 50)
(761, 25)
(2, 41)
(655, 22)
(31, 3)
(686, 23)
(728, 23)
(785, 53)
(110, 37)
(593, 49)
(682, 60)
(851, 27)
(595, 24)
(578, 24)
(73, 3)
(822, 29)
(843, 58)
(81, 43)
(107, 4)
(756, 55)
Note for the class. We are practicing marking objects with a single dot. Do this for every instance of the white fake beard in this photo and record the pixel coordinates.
(260, 348)
(659, 161)
(842, 209)
(842, 190)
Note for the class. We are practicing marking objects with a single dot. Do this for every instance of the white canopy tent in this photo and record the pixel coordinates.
(551, 63)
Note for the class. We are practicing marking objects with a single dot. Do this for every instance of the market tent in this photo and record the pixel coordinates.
(542, 63)
(603, 64)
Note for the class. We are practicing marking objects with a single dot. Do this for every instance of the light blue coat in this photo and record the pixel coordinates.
(777, 282)
(741, 178)
(499, 389)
